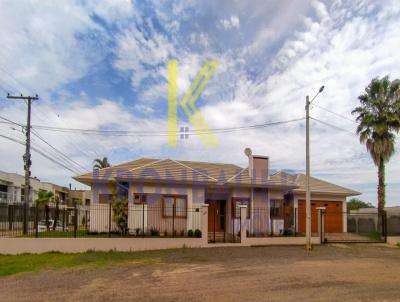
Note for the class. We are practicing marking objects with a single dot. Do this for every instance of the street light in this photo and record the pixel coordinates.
(308, 193)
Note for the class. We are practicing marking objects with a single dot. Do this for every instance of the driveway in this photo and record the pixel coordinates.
(328, 273)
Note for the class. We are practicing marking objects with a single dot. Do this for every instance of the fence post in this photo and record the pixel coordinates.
(243, 224)
(384, 222)
(173, 219)
(109, 219)
(204, 224)
(10, 216)
(75, 219)
(63, 220)
(37, 220)
(143, 219)
(295, 222)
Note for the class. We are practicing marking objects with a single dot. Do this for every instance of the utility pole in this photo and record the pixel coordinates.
(26, 157)
(308, 191)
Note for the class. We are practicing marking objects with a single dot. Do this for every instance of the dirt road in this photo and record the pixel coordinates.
(329, 273)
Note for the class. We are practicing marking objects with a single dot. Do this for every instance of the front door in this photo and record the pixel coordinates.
(216, 216)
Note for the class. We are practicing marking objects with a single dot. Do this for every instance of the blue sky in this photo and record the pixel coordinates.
(103, 65)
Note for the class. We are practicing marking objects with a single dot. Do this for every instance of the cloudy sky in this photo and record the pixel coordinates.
(102, 65)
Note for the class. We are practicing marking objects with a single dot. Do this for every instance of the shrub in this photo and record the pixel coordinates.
(190, 233)
(120, 211)
(197, 233)
(154, 232)
(182, 233)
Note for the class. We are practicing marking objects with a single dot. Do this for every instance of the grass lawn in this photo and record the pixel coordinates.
(13, 264)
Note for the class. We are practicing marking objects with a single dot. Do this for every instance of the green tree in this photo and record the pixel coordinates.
(120, 213)
(99, 163)
(43, 200)
(355, 204)
(378, 119)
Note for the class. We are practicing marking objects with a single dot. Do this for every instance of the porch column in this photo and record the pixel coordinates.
(204, 223)
(243, 225)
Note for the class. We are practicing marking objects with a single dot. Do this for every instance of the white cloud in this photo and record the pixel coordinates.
(232, 22)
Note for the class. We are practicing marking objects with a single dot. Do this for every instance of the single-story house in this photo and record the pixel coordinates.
(167, 193)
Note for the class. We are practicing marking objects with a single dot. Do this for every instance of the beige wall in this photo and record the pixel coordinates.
(14, 246)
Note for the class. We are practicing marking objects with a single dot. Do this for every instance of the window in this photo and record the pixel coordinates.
(139, 198)
(238, 201)
(174, 206)
(276, 208)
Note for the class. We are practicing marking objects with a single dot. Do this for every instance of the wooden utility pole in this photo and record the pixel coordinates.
(26, 157)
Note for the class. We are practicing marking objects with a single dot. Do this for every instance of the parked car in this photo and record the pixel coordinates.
(43, 228)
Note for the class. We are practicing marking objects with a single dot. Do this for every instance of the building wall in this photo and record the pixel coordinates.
(322, 197)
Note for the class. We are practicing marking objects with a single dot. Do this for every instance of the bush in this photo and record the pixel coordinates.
(154, 232)
(120, 211)
(182, 233)
(190, 233)
(197, 233)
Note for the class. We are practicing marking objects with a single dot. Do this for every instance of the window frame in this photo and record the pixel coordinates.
(175, 197)
(239, 199)
(142, 198)
(272, 209)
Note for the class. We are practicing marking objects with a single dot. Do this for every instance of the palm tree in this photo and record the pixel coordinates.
(100, 163)
(43, 199)
(379, 121)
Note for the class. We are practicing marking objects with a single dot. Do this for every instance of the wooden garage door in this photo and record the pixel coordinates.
(333, 216)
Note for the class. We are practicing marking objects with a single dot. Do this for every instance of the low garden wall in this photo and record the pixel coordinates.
(15, 246)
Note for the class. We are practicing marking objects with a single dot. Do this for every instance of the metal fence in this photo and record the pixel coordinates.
(99, 220)
(358, 227)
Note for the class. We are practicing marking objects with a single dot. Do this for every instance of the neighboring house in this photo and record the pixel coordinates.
(12, 190)
(180, 187)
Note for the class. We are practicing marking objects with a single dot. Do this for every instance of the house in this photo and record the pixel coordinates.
(12, 190)
(167, 193)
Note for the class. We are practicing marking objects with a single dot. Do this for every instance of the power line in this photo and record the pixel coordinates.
(58, 151)
(335, 113)
(160, 133)
(38, 151)
(333, 126)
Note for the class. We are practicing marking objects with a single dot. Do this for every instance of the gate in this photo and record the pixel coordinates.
(222, 227)
(348, 227)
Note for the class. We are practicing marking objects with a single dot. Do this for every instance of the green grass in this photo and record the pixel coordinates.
(14, 264)
(376, 236)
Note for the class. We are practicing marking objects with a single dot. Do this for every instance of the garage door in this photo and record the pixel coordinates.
(333, 216)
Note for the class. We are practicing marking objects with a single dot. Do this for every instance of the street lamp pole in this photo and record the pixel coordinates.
(308, 191)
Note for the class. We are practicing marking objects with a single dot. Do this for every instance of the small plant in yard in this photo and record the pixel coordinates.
(120, 213)
(165, 233)
(137, 230)
(197, 233)
(182, 233)
(154, 232)
(190, 233)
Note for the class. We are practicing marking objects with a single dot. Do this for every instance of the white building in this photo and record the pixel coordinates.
(12, 189)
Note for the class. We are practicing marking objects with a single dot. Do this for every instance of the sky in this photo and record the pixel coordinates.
(102, 65)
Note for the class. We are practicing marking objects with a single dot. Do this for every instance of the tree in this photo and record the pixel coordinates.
(378, 119)
(43, 199)
(100, 163)
(120, 212)
(355, 204)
